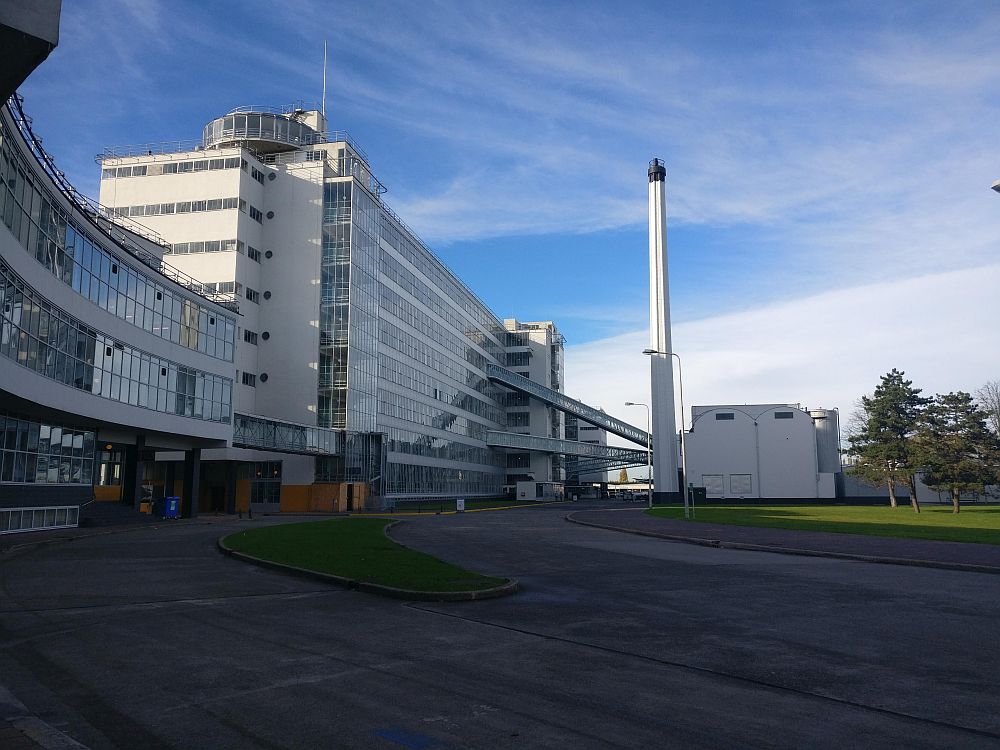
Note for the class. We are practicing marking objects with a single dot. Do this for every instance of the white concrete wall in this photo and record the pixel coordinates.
(539, 369)
(290, 356)
(723, 447)
(788, 465)
(779, 454)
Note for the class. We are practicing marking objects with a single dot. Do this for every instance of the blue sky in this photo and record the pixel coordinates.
(811, 149)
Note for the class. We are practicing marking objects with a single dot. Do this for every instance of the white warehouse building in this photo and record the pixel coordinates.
(764, 451)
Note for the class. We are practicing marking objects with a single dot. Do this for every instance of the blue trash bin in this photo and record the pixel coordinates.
(171, 507)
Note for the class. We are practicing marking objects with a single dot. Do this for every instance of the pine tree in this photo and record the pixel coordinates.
(883, 437)
(956, 448)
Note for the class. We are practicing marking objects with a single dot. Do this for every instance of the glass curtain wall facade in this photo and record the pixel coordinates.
(34, 452)
(435, 338)
(74, 255)
(334, 316)
(403, 345)
(40, 336)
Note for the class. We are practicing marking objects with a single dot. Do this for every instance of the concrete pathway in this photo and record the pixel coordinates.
(152, 639)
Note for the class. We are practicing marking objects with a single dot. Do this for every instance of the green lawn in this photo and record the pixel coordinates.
(976, 523)
(356, 548)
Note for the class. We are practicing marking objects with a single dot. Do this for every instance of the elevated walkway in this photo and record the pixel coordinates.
(596, 417)
(598, 454)
(264, 433)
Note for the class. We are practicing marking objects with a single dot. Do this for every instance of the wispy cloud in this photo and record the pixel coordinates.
(824, 350)
(832, 145)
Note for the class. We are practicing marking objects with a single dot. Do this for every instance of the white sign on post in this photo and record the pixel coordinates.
(460, 505)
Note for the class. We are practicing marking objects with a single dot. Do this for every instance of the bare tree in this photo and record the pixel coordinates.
(988, 398)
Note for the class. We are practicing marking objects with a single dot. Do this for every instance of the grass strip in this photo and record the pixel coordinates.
(356, 548)
(979, 524)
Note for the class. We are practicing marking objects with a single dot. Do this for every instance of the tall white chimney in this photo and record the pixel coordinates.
(664, 425)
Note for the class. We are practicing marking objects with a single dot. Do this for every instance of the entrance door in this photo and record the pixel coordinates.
(108, 487)
(350, 497)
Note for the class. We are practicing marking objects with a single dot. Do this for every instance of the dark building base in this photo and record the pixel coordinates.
(44, 495)
(667, 498)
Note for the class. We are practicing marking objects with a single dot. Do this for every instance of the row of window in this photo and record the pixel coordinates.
(78, 260)
(423, 259)
(518, 419)
(414, 380)
(422, 444)
(518, 359)
(45, 339)
(223, 287)
(393, 270)
(25, 519)
(423, 323)
(260, 125)
(437, 480)
(36, 452)
(335, 280)
(174, 167)
(214, 246)
(184, 207)
(401, 407)
(361, 461)
(409, 345)
(516, 398)
(518, 460)
(722, 416)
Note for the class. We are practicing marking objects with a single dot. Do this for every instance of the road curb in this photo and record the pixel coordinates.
(511, 585)
(15, 714)
(722, 544)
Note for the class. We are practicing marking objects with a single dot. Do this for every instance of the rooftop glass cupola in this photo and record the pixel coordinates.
(266, 130)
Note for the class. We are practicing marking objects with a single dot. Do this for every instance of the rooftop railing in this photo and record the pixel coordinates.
(105, 220)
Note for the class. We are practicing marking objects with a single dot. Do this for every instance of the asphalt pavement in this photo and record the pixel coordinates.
(152, 639)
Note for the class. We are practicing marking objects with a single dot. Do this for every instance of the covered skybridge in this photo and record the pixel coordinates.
(564, 403)
(601, 457)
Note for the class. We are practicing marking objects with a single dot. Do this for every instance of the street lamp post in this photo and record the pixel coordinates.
(649, 454)
(684, 468)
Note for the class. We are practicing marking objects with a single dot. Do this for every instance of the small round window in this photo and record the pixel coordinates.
(272, 176)
(266, 335)
(270, 214)
(267, 295)
(263, 377)
(269, 254)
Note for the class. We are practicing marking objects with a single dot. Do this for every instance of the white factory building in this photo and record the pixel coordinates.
(347, 320)
(763, 451)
